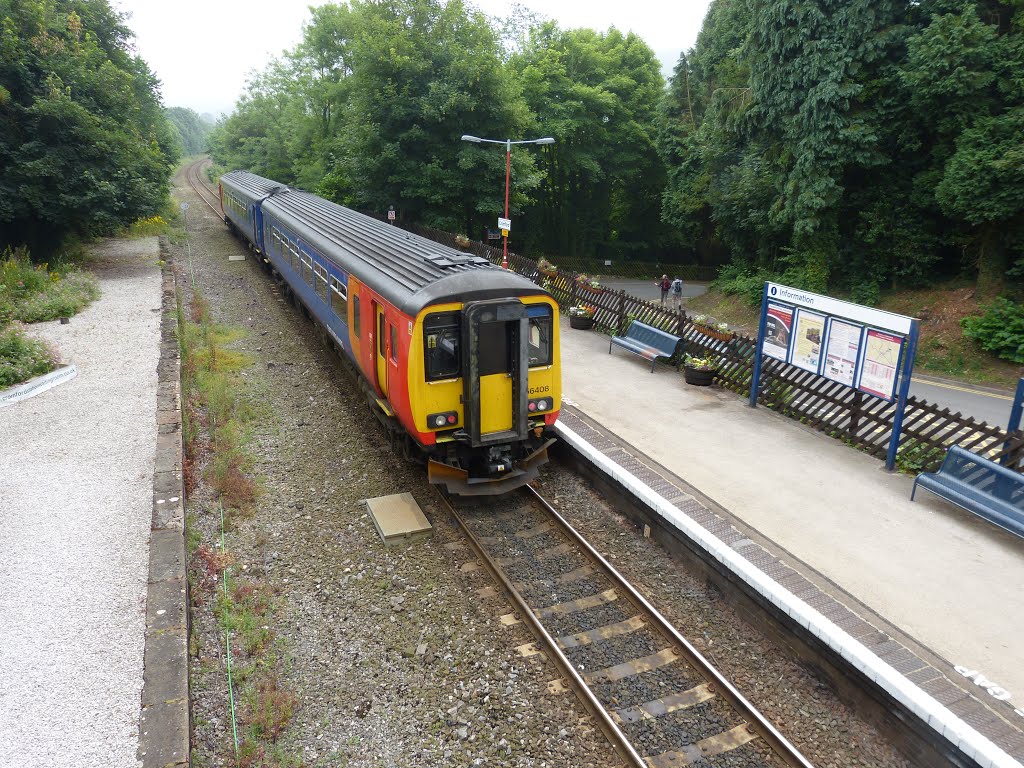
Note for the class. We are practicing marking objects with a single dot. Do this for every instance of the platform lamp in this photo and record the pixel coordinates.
(508, 172)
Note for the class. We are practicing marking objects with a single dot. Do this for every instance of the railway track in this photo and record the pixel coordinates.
(660, 703)
(193, 174)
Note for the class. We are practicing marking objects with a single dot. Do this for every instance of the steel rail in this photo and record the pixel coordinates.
(192, 177)
(617, 738)
(771, 736)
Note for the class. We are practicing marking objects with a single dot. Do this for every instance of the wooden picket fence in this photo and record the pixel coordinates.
(842, 412)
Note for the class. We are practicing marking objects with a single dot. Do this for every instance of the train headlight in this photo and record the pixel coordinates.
(439, 420)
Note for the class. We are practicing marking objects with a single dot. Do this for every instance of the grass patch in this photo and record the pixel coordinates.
(22, 358)
(32, 293)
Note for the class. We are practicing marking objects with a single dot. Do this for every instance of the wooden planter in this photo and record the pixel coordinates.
(699, 377)
(590, 288)
(581, 323)
(547, 271)
(714, 333)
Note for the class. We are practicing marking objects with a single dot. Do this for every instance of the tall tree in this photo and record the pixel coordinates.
(596, 94)
(84, 143)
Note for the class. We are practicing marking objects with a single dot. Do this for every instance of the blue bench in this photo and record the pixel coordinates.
(983, 487)
(648, 342)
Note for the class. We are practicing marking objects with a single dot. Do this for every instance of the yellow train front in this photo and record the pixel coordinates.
(459, 357)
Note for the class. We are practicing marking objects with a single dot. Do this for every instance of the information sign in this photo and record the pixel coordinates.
(391, 215)
(778, 331)
(504, 224)
(881, 364)
(842, 351)
(810, 327)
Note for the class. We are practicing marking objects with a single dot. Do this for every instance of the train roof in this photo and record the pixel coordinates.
(410, 271)
(249, 184)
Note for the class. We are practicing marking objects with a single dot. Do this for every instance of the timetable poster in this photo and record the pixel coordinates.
(881, 358)
(841, 352)
(777, 330)
(807, 341)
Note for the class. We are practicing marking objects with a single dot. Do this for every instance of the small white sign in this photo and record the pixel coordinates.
(505, 224)
(391, 215)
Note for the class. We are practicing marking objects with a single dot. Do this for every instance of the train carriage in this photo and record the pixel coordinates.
(240, 205)
(459, 357)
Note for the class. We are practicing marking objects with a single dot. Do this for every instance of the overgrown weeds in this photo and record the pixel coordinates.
(22, 358)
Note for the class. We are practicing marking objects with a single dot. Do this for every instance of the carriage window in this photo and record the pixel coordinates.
(441, 346)
(339, 298)
(538, 344)
(307, 268)
(394, 343)
(355, 315)
(320, 283)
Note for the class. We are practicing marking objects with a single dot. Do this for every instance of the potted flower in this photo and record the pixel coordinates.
(699, 370)
(588, 283)
(462, 241)
(545, 267)
(707, 326)
(581, 316)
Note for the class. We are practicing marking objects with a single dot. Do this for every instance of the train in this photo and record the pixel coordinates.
(458, 357)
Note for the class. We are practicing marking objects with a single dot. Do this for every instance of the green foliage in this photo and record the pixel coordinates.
(32, 293)
(1000, 330)
(853, 145)
(745, 282)
(914, 457)
(191, 129)
(22, 358)
(84, 144)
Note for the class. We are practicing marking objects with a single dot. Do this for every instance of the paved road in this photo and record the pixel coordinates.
(648, 289)
(983, 405)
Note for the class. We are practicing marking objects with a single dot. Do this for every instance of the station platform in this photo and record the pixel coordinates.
(931, 589)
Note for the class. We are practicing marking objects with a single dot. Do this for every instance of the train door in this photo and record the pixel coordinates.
(382, 349)
(496, 364)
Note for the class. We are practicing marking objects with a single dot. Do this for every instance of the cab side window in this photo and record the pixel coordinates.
(441, 356)
(538, 344)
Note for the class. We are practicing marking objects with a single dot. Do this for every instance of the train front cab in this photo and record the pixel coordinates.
(491, 386)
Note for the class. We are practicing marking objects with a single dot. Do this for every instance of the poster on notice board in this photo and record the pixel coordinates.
(777, 331)
(810, 327)
(842, 351)
(879, 369)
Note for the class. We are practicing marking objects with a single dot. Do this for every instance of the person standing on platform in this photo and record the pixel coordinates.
(665, 284)
(677, 294)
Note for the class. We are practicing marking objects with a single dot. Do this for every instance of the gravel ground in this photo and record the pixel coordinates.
(75, 501)
(395, 659)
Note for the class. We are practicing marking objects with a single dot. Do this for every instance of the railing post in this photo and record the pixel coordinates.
(901, 401)
(622, 313)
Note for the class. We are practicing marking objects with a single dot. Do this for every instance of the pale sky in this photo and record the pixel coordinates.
(203, 50)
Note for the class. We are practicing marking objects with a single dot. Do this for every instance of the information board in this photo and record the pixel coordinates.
(881, 364)
(842, 351)
(777, 331)
(806, 346)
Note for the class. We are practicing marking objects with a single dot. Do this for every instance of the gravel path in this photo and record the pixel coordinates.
(75, 497)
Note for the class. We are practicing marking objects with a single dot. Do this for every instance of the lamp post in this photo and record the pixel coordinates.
(508, 173)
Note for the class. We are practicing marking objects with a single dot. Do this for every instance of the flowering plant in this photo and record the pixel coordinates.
(582, 310)
(700, 319)
(723, 327)
(587, 281)
(545, 266)
(701, 363)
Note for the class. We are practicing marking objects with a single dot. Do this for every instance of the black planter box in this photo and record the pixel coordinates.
(581, 323)
(698, 376)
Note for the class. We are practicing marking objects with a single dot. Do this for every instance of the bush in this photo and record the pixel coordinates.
(1000, 330)
(745, 282)
(22, 358)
